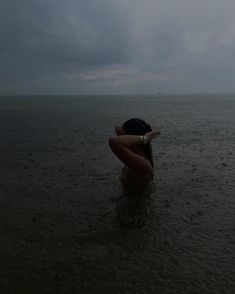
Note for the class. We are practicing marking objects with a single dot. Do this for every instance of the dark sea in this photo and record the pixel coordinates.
(67, 225)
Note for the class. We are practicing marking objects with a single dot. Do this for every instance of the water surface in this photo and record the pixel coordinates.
(66, 224)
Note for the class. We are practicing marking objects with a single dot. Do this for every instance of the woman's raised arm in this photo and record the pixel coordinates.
(120, 146)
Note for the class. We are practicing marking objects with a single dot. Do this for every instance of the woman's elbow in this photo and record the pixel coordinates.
(111, 141)
(114, 144)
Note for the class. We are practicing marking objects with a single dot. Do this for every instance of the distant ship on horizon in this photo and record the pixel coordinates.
(158, 94)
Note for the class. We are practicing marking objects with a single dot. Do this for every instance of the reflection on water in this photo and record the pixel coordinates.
(135, 207)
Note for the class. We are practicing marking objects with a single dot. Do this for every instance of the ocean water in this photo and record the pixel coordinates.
(67, 226)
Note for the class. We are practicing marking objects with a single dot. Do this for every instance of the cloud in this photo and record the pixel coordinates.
(110, 46)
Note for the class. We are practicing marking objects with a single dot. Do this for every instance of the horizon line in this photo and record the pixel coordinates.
(141, 94)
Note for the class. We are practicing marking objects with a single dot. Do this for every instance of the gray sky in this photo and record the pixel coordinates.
(117, 46)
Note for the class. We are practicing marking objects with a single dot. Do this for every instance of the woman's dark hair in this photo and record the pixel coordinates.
(137, 126)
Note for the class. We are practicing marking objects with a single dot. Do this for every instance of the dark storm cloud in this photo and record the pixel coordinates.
(119, 46)
(59, 32)
(46, 35)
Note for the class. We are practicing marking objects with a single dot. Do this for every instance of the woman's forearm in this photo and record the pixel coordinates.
(125, 140)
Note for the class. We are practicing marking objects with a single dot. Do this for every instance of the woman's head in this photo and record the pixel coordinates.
(137, 126)
(134, 126)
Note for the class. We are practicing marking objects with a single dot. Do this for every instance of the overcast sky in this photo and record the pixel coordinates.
(117, 46)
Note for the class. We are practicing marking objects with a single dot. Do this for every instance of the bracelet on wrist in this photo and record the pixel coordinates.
(143, 140)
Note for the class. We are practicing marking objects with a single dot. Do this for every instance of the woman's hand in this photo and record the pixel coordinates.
(151, 135)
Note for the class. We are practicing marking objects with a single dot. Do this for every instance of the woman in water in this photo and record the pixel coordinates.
(132, 146)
